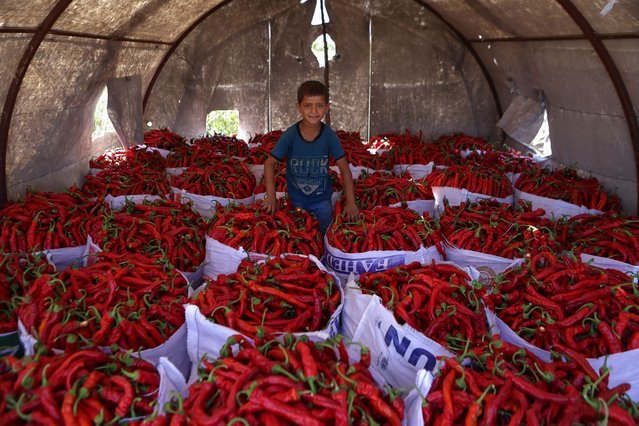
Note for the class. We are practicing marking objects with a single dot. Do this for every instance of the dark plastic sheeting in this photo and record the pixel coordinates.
(424, 79)
(623, 17)
(21, 13)
(506, 18)
(585, 116)
(146, 19)
(53, 119)
(12, 47)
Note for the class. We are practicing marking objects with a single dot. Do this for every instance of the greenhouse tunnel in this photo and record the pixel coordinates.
(490, 68)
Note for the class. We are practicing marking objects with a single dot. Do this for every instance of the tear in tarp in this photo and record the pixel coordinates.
(523, 118)
(608, 7)
(125, 109)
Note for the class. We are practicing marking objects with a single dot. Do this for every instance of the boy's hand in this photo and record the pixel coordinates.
(269, 204)
(351, 212)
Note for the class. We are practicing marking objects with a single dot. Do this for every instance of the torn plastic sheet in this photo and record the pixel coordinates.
(523, 118)
(608, 7)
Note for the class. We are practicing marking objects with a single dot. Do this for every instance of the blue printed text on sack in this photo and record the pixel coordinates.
(371, 264)
(405, 347)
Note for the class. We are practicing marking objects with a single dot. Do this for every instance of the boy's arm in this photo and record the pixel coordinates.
(270, 202)
(350, 207)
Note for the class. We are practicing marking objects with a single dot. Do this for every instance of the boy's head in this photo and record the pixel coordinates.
(312, 88)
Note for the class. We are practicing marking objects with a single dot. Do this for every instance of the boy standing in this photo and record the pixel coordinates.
(307, 146)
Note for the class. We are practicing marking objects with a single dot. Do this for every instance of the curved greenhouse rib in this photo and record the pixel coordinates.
(174, 46)
(472, 51)
(16, 84)
(613, 73)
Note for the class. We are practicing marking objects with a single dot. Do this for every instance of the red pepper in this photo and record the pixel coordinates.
(372, 393)
(127, 397)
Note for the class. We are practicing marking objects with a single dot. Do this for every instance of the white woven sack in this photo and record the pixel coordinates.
(456, 196)
(206, 338)
(343, 264)
(196, 277)
(413, 402)
(174, 349)
(420, 206)
(488, 265)
(357, 306)
(623, 365)
(163, 152)
(174, 171)
(262, 195)
(172, 383)
(27, 340)
(356, 171)
(512, 177)
(116, 203)
(398, 352)
(604, 262)
(257, 170)
(205, 205)
(64, 257)
(221, 259)
(416, 171)
(555, 209)
(90, 249)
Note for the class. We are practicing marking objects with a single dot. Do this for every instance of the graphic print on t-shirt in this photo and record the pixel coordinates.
(309, 174)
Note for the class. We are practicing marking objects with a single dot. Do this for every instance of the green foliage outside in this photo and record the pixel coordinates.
(226, 122)
(318, 49)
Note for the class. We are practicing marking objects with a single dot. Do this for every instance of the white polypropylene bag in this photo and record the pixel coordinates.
(456, 196)
(257, 170)
(174, 348)
(193, 278)
(343, 264)
(488, 265)
(205, 205)
(163, 152)
(64, 257)
(420, 206)
(221, 259)
(262, 195)
(416, 171)
(116, 203)
(413, 401)
(356, 171)
(90, 249)
(604, 262)
(174, 171)
(172, 383)
(555, 209)
(206, 338)
(623, 365)
(27, 340)
(398, 352)
(196, 277)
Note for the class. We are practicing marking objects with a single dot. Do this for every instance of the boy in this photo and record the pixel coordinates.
(307, 146)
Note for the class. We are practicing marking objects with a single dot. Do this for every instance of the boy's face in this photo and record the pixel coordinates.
(312, 109)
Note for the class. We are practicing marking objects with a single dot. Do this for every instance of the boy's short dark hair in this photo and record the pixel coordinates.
(312, 88)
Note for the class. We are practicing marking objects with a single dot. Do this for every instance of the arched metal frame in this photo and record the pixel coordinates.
(47, 24)
(16, 84)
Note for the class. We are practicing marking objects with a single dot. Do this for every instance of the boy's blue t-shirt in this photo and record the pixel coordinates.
(307, 177)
